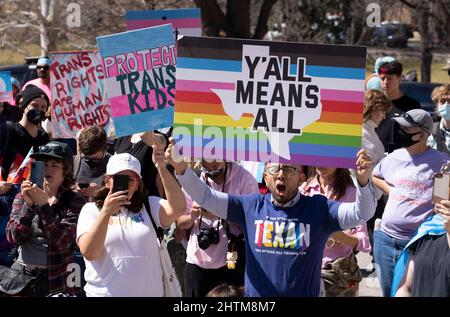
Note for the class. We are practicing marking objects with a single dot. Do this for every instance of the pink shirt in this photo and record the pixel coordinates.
(39, 83)
(239, 182)
(335, 251)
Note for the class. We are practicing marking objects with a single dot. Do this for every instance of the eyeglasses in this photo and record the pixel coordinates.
(54, 148)
(275, 169)
(43, 67)
(408, 118)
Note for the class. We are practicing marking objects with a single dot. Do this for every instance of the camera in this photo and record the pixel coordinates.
(206, 237)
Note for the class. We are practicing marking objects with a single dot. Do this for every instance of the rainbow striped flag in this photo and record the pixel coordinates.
(184, 21)
(269, 101)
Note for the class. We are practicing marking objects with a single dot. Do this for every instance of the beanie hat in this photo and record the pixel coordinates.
(32, 92)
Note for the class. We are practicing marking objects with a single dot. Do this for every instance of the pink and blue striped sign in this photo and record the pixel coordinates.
(269, 101)
(139, 69)
(6, 92)
(184, 21)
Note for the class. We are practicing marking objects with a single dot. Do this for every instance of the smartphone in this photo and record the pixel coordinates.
(441, 187)
(120, 182)
(83, 185)
(37, 173)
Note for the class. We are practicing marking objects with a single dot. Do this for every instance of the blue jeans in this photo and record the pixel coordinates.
(386, 251)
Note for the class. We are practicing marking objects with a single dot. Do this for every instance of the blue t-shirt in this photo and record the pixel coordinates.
(284, 245)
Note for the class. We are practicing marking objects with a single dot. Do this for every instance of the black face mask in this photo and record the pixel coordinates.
(35, 116)
(402, 138)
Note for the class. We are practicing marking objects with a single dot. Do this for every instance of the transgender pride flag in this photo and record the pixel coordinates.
(184, 21)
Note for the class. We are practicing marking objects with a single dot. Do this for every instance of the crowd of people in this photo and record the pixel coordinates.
(101, 205)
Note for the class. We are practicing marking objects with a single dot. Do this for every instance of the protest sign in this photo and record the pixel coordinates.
(140, 78)
(184, 21)
(6, 92)
(79, 96)
(269, 101)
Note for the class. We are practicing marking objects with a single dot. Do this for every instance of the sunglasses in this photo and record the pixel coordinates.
(43, 67)
(408, 118)
(52, 148)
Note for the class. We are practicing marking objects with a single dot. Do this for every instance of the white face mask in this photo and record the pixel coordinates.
(444, 110)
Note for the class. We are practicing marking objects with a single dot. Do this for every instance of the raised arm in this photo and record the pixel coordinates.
(175, 203)
(204, 195)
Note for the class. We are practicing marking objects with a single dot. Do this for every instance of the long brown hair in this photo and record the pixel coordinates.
(137, 200)
(342, 181)
(375, 100)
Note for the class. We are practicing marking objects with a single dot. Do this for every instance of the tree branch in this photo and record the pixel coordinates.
(19, 26)
(51, 11)
(408, 4)
(16, 48)
(264, 15)
(28, 13)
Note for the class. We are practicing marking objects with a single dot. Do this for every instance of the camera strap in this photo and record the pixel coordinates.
(218, 223)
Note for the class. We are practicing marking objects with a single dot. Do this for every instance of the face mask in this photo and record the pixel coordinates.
(404, 139)
(35, 116)
(212, 173)
(444, 111)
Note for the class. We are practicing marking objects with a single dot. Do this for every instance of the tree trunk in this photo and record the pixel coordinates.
(264, 15)
(213, 19)
(357, 21)
(425, 43)
(238, 19)
(45, 21)
(43, 28)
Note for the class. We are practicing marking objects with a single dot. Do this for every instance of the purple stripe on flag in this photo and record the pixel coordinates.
(239, 155)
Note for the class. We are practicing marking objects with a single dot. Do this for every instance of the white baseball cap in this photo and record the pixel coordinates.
(123, 162)
(43, 61)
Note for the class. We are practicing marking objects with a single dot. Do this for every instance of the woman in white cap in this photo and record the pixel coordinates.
(115, 233)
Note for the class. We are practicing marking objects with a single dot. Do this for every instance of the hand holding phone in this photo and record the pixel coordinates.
(120, 182)
(441, 187)
(37, 173)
